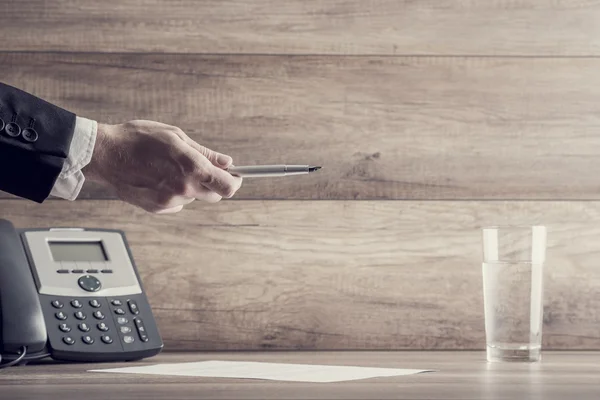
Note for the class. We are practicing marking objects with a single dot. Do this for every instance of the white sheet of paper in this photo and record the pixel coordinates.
(264, 370)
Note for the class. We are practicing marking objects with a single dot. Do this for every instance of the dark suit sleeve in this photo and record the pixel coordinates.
(35, 137)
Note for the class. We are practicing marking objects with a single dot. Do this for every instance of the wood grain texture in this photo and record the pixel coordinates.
(458, 375)
(376, 27)
(383, 128)
(326, 275)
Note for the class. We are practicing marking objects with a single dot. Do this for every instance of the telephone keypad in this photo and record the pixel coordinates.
(104, 324)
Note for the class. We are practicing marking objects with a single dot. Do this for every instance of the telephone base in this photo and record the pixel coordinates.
(72, 295)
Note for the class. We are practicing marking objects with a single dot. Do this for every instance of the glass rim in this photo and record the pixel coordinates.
(487, 227)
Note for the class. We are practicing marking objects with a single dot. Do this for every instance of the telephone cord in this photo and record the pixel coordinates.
(15, 361)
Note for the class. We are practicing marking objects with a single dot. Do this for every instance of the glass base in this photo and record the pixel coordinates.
(514, 353)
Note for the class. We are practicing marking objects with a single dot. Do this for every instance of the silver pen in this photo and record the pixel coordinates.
(261, 171)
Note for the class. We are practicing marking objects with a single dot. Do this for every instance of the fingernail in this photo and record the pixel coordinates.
(171, 210)
(223, 160)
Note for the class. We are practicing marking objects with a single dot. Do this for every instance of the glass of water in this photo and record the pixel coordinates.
(513, 262)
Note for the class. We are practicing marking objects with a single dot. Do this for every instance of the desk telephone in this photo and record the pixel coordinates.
(72, 294)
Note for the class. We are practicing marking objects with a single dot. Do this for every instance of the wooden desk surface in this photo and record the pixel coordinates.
(459, 375)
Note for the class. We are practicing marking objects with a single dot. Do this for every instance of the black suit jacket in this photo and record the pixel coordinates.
(35, 137)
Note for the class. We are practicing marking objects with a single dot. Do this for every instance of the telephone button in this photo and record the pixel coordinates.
(120, 311)
(125, 329)
(92, 271)
(68, 340)
(133, 307)
(128, 339)
(61, 315)
(95, 303)
(76, 304)
(64, 328)
(102, 326)
(122, 320)
(80, 315)
(83, 327)
(117, 303)
(87, 339)
(77, 271)
(62, 271)
(107, 339)
(89, 283)
(107, 271)
(139, 324)
(98, 314)
(57, 304)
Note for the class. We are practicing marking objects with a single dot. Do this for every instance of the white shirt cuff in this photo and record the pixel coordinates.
(71, 179)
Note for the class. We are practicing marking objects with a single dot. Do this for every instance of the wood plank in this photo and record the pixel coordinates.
(339, 274)
(383, 128)
(457, 375)
(377, 27)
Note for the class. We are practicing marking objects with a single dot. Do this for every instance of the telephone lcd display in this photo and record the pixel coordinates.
(77, 251)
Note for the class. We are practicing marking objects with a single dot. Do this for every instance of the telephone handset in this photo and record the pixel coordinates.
(72, 294)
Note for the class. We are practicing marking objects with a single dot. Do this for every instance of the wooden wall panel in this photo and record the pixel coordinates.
(509, 112)
(382, 127)
(339, 275)
(386, 27)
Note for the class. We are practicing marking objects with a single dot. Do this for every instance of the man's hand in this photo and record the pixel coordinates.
(158, 167)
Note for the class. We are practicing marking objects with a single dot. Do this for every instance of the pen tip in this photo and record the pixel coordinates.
(313, 169)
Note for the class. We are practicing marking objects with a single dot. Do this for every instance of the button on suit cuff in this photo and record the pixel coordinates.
(71, 179)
